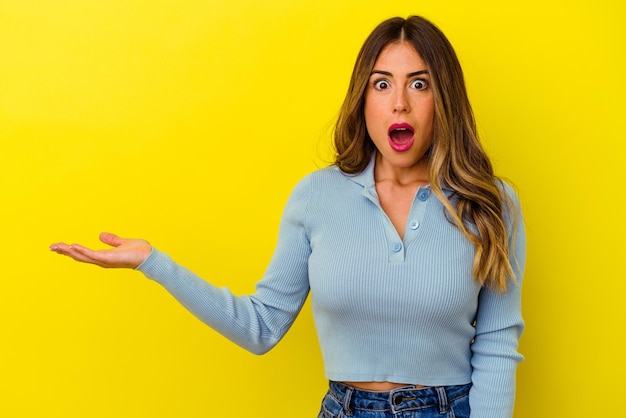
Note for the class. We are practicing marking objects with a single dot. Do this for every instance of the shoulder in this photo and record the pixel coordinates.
(510, 197)
(507, 188)
(323, 188)
(330, 173)
(330, 177)
(310, 186)
(512, 213)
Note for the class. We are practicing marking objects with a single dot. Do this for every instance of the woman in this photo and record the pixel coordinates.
(412, 249)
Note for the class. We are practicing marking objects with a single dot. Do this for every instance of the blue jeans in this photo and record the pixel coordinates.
(405, 402)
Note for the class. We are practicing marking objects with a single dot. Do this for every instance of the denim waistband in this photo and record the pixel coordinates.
(397, 400)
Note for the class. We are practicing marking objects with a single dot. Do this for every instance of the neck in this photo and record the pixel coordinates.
(404, 176)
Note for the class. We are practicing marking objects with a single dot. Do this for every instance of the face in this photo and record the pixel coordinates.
(399, 109)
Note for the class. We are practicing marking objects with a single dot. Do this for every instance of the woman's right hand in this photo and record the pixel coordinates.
(126, 253)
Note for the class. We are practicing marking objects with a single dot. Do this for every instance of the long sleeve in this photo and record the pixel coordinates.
(499, 325)
(256, 322)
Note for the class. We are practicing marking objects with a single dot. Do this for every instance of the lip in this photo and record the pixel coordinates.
(401, 146)
(402, 125)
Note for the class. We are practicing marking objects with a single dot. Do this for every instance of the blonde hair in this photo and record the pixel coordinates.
(456, 157)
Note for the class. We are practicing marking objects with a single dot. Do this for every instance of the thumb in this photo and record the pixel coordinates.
(111, 239)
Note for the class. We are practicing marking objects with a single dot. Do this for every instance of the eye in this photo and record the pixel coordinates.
(419, 84)
(381, 85)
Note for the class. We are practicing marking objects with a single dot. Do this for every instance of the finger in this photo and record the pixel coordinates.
(58, 247)
(82, 258)
(111, 239)
(89, 256)
(63, 248)
(76, 252)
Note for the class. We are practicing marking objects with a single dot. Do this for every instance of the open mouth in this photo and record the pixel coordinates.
(401, 136)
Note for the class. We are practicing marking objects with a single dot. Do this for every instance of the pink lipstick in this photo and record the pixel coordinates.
(401, 136)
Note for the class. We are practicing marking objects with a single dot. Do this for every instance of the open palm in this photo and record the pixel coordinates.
(126, 253)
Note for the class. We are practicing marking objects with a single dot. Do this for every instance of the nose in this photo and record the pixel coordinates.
(401, 102)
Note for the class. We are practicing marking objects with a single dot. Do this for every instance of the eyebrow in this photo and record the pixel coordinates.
(409, 75)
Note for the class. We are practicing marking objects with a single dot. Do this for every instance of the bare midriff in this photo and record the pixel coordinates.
(381, 386)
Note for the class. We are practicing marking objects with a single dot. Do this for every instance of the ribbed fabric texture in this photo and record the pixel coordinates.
(385, 309)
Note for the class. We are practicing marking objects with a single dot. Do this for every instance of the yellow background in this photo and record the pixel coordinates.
(188, 123)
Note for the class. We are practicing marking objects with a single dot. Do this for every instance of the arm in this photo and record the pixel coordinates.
(499, 325)
(255, 322)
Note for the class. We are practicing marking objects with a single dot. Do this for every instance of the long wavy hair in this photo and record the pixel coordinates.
(456, 158)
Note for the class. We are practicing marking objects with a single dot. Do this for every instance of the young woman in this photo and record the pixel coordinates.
(412, 249)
